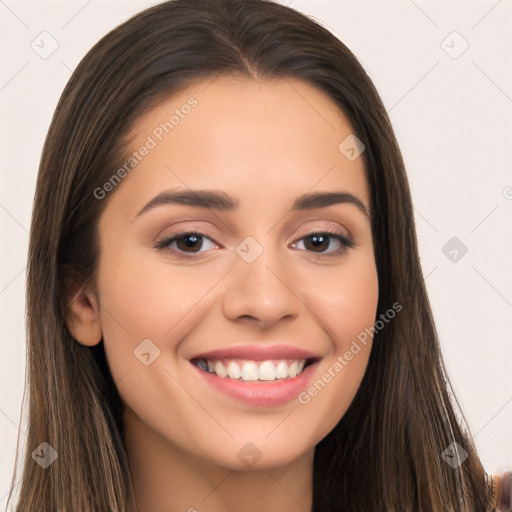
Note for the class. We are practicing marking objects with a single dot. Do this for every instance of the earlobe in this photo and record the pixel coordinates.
(82, 318)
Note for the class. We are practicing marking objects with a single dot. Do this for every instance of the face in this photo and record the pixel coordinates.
(270, 269)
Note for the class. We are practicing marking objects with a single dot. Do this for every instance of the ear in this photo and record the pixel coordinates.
(82, 318)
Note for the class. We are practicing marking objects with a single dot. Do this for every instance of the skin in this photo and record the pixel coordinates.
(265, 143)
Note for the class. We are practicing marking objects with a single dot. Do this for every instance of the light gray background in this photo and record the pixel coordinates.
(452, 117)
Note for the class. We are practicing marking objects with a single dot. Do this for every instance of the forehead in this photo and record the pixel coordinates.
(273, 138)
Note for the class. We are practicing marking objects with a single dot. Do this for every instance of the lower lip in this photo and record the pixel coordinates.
(260, 393)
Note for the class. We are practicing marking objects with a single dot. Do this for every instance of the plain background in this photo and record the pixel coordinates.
(451, 108)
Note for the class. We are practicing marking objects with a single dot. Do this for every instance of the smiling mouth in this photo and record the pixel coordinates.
(250, 370)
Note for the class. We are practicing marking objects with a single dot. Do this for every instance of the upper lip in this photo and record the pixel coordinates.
(258, 353)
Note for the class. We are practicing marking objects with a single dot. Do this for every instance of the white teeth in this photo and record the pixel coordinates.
(267, 371)
(292, 369)
(219, 369)
(249, 370)
(281, 370)
(234, 371)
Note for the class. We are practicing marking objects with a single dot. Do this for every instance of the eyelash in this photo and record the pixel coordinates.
(345, 243)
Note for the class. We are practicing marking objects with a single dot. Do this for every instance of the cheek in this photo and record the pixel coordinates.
(347, 306)
(346, 300)
(146, 311)
(150, 300)
(157, 302)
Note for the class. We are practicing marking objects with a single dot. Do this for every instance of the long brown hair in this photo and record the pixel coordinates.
(386, 451)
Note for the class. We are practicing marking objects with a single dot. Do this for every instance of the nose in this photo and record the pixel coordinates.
(261, 292)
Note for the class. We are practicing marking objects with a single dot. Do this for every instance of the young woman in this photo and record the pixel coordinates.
(226, 309)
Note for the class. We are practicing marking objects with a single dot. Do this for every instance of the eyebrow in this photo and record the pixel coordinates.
(218, 200)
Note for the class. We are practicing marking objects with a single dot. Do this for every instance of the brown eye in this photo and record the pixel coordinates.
(325, 244)
(186, 243)
(189, 241)
(318, 242)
